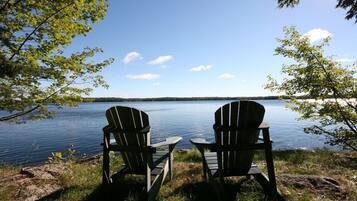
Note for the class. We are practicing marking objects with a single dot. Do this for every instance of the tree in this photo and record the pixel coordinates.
(349, 5)
(331, 86)
(35, 68)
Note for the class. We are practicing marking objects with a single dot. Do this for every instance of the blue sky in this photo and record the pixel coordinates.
(188, 48)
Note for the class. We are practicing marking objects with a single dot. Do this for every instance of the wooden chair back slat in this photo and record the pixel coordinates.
(245, 116)
(129, 121)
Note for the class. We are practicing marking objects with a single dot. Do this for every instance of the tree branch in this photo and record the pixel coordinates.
(36, 28)
(2, 9)
(18, 114)
(4, 6)
(331, 134)
(335, 94)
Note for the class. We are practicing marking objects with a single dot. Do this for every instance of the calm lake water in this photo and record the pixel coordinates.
(33, 142)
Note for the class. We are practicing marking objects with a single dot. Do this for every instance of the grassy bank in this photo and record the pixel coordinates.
(83, 182)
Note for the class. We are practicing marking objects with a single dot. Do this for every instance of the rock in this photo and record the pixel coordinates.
(33, 183)
(35, 192)
(314, 182)
(346, 161)
(48, 171)
(36, 172)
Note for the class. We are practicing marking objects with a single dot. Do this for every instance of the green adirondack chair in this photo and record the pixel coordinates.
(131, 131)
(237, 128)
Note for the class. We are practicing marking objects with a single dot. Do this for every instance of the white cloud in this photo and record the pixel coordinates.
(344, 60)
(156, 84)
(161, 60)
(131, 56)
(317, 34)
(145, 76)
(226, 76)
(200, 68)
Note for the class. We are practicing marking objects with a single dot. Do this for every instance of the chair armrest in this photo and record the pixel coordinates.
(202, 144)
(265, 128)
(168, 141)
(263, 125)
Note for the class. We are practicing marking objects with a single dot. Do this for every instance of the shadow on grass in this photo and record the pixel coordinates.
(186, 185)
(230, 190)
(129, 189)
(57, 194)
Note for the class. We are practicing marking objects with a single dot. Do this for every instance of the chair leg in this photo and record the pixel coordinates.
(218, 188)
(270, 163)
(271, 172)
(148, 178)
(106, 174)
(205, 174)
(171, 159)
(204, 167)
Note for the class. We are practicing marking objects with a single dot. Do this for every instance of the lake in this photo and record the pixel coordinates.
(33, 142)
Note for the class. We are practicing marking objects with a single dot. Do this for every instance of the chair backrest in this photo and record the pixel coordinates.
(237, 123)
(129, 121)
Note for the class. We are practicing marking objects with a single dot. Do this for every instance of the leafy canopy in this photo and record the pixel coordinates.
(331, 86)
(35, 69)
(349, 5)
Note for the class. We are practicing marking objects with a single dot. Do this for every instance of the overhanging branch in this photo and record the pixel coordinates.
(18, 114)
(335, 95)
(332, 134)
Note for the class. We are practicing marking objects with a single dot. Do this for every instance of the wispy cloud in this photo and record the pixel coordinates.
(200, 68)
(161, 60)
(145, 76)
(156, 84)
(226, 76)
(317, 34)
(131, 56)
(344, 60)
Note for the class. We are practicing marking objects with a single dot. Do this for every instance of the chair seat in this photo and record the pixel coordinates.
(212, 167)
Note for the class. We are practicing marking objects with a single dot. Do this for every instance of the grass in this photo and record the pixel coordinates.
(84, 182)
(8, 191)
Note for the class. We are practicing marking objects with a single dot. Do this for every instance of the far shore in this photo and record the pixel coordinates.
(118, 99)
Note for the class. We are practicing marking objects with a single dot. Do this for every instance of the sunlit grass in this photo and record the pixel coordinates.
(84, 181)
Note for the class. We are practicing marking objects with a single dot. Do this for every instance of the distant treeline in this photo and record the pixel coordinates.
(114, 99)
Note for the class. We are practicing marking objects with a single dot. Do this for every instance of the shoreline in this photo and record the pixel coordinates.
(86, 157)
